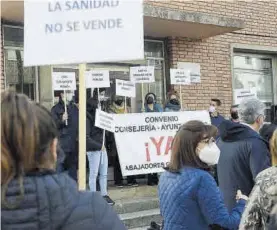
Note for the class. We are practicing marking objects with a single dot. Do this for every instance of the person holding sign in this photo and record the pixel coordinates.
(96, 152)
(173, 104)
(151, 106)
(118, 107)
(67, 132)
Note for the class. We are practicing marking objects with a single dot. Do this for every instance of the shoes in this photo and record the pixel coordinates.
(119, 185)
(152, 183)
(109, 200)
(133, 184)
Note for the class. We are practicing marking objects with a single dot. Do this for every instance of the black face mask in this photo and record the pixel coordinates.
(174, 102)
(150, 100)
(234, 115)
(119, 102)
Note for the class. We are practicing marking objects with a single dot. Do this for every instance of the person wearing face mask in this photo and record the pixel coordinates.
(151, 106)
(188, 194)
(118, 107)
(216, 118)
(173, 104)
(244, 153)
(234, 113)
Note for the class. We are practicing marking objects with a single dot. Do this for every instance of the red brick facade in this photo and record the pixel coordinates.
(214, 54)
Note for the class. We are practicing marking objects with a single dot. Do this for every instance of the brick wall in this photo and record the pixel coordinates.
(2, 80)
(214, 54)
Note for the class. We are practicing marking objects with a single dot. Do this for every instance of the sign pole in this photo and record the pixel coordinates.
(181, 98)
(142, 99)
(125, 104)
(65, 107)
(82, 128)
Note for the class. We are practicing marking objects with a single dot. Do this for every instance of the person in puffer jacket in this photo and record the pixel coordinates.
(34, 196)
(188, 194)
(173, 104)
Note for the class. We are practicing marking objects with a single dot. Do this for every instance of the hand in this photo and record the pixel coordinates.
(103, 149)
(64, 117)
(240, 196)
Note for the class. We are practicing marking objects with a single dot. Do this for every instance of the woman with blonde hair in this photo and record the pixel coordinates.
(34, 196)
(263, 196)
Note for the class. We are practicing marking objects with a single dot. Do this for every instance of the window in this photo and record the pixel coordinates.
(20, 78)
(252, 71)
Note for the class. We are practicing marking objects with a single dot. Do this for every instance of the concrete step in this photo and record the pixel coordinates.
(141, 218)
(136, 205)
(141, 228)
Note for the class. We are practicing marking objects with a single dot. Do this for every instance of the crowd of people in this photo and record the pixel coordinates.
(220, 176)
(241, 154)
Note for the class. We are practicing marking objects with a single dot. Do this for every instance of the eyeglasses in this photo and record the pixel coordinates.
(208, 141)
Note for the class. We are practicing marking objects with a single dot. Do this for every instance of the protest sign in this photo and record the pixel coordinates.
(179, 77)
(98, 79)
(63, 81)
(143, 140)
(193, 70)
(66, 32)
(241, 94)
(142, 74)
(125, 88)
(104, 120)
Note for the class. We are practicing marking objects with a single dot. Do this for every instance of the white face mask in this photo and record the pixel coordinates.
(212, 109)
(210, 154)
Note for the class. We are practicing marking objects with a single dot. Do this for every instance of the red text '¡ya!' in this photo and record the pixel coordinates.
(158, 143)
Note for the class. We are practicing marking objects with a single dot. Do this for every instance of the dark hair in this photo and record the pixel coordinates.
(27, 132)
(183, 150)
(218, 102)
(267, 131)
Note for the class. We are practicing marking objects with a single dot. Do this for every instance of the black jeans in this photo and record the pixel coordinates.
(71, 164)
(152, 179)
(118, 174)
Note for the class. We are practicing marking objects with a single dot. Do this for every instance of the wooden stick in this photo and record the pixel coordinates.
(65, 107)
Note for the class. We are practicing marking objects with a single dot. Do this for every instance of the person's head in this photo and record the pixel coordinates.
(194, 146)
(150, 98)
(267, 131)
(234, 112)
(273, 147)
(214, 104)
(173, 98)
(251, 112)
(118, 100)
(28, 138)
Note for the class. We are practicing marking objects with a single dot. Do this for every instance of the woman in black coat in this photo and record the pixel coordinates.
(34, 196)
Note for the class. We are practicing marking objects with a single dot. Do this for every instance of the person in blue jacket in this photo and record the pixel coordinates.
(151, 106)
(244, 153)
(188, 194)
(173, 104)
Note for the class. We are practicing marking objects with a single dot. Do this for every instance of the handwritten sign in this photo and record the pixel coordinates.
(125, 88)
(241, 94)
(104, 120)
(179, 77)
(142, 74)
(63, 81)
(72, 31)
(98, 79)
(193, 70)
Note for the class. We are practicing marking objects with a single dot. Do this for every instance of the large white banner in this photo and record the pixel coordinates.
(72, 31)
(144, 139)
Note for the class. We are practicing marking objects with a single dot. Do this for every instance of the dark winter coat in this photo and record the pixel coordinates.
(68, 134)
(52, 202)
(94, 135)
(191, 200)
(169, 107)
(243, 155)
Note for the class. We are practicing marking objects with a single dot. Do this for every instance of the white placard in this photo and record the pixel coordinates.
(125, 88)
(97, 79)
(179, 77)
(193, 70)
(104, 120)
(241, 94)
(143, 140)
(142, 74)
(63, 81)
(70, 31)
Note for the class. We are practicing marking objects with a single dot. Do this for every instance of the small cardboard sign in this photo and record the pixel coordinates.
(142, 74)
(63, 81)
(179, 77)
(104, 121)
(241, 94)
(125, 88)
(97, 79)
